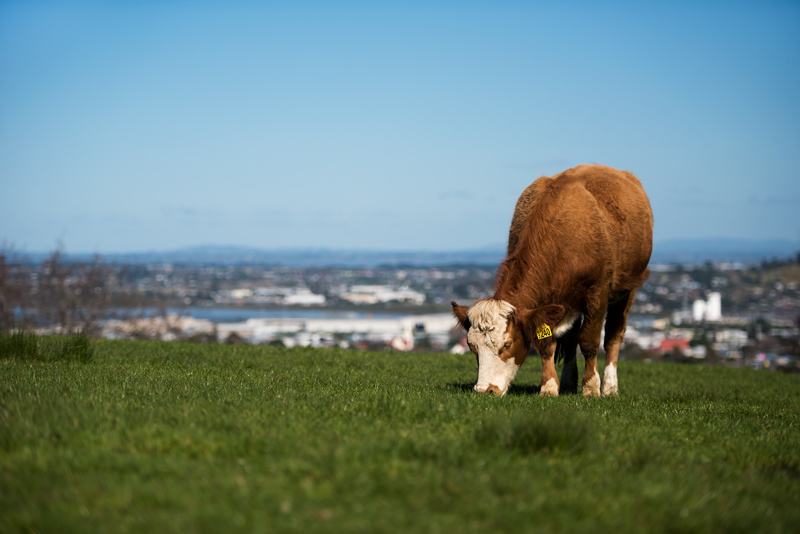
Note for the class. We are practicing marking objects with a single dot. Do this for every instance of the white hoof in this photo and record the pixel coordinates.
(591, 387)
(610, 385)
(549, 389)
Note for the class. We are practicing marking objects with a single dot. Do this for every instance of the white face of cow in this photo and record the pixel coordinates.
(491, 337)
(495, 335)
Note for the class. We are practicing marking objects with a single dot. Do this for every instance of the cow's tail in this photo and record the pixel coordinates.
(559, 359)
(567, 344)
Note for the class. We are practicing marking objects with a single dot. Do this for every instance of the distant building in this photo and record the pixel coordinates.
(304, 298)
(372, 294)
(395, 332)
(714, 307)
(699, 310)
(708, 310)
(286, 296)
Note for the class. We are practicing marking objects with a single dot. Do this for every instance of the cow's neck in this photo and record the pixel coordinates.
(521, 285)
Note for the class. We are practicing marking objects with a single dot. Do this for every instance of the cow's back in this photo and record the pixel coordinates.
(590, 221)
(628, 218)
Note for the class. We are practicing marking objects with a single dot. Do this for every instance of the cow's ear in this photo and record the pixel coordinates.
(460, 313)
(539, 323)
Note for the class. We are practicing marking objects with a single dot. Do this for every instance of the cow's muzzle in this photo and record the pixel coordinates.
(491, 389)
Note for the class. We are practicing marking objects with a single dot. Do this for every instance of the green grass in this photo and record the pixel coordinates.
(28, 346)
(160, 437)
(19, 344)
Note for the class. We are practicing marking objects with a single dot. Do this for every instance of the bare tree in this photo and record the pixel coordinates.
(93, 289)
(15, 279)
(68, 296)
(55, 302)
(72, 295)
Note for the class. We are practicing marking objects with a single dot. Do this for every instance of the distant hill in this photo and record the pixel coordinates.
(683, 251)
(686, 251)
(232, 255)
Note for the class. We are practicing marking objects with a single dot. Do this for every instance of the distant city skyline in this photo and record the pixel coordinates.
(399, 126)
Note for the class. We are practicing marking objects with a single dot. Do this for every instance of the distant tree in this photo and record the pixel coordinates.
(234, 339)
(71, 296)
(752, 332)
(14, 291)
(676, 355)
(699, 338)
(94, 285)
(633, 352)
(712, 356)
(6, 300)
(704, 274)
(57, 298)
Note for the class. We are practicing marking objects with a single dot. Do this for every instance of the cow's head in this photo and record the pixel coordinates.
(500, 336)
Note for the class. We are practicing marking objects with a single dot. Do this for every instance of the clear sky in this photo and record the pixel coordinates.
(135, 126)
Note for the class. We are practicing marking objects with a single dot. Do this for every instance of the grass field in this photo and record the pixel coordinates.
(170, 437)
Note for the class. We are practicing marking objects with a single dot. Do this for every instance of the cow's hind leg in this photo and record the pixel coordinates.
(616, 321)
(567, 350)
(590, 341)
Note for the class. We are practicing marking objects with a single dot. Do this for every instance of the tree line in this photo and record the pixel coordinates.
(66, 296)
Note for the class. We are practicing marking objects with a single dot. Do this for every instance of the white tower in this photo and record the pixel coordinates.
(699, 310)
(714, 307)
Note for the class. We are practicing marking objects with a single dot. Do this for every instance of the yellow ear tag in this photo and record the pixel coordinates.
(543, 332)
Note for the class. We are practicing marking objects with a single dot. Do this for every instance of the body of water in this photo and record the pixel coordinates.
(236, 315)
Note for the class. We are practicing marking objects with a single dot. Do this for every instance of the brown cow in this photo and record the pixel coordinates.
(579, 245)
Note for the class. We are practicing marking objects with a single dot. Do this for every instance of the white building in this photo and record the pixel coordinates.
(303, 297)
(399, 332)
(699, 310)
(708, 310)
(286, 296)
(372, 294)
(714, 307)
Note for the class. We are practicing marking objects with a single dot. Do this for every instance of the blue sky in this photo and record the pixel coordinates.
(386, 125)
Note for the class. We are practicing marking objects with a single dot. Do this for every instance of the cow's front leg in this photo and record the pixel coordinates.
(549, 375)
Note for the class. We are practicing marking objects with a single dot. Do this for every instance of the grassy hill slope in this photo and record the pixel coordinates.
(159, 437)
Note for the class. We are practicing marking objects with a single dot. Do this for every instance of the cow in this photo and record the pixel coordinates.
(578, 250)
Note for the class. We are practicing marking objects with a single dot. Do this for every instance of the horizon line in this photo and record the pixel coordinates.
(488, 248)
